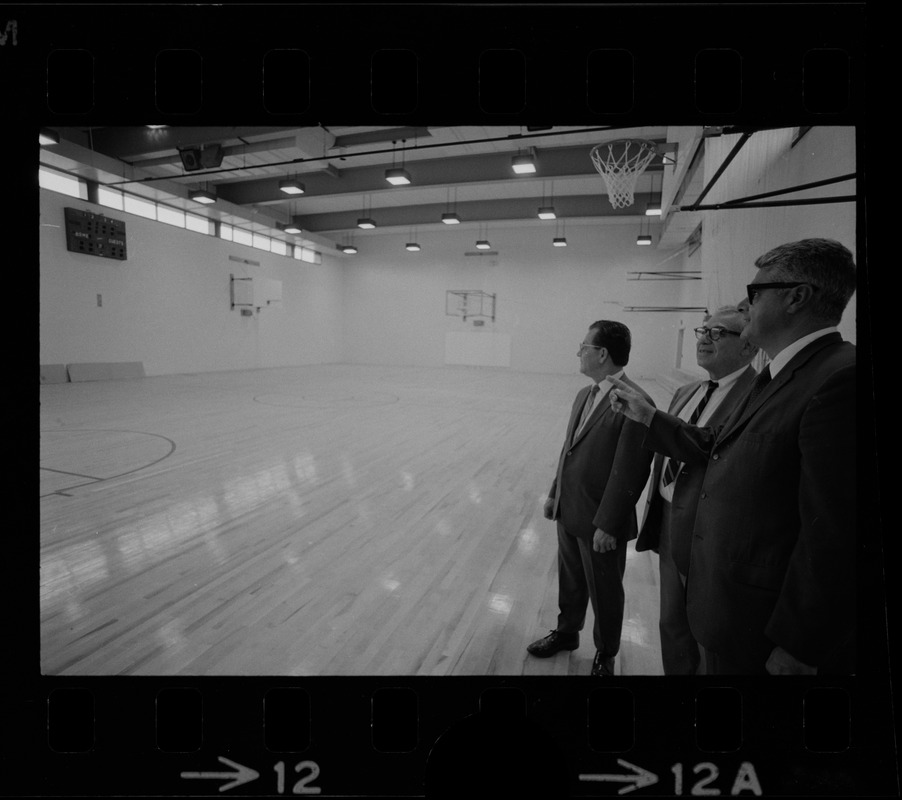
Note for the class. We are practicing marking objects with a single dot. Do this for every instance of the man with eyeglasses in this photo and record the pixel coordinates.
(601, 473)
(771, 585)
(675, 486)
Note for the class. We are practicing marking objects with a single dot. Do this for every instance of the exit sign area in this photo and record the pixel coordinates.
(94, 234)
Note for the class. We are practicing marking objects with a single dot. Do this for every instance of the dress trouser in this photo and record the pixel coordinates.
(585, 576)
(680, 653)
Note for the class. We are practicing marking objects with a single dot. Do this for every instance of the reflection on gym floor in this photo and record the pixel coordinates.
(322, 520)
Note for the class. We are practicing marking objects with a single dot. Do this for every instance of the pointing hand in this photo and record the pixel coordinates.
(627, 401)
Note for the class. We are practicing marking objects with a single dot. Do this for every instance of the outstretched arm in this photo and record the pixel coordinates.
(666, 433)
(627, 401)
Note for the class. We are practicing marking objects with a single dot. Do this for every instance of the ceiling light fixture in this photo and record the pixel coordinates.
(559, 241)
(482, 243)
(366, 221)
(413, 247)
(291, 227)
(291, 187)
(202, 196)
(397, 176)
(546, 211)
(347, 245)
(450, 217)
(523, 165)
(643, 239)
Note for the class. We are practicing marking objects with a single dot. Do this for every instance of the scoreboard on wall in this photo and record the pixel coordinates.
(95, 234)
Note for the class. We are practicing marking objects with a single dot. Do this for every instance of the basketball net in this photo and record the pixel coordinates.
(622, 169)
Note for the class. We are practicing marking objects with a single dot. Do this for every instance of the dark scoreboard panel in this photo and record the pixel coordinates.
(94, 234)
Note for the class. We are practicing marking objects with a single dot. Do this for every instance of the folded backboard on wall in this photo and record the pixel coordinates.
(253, 293)
(468, 303)
(241, 292)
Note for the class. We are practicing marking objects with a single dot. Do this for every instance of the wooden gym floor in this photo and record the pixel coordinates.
(321, 520)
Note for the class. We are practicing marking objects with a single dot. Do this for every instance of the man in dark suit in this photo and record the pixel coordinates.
(675, 487)
(771, 584)
(601, 473)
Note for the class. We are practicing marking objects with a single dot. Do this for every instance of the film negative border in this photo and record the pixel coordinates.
(403, 737)
(722, 65)
(718, 64)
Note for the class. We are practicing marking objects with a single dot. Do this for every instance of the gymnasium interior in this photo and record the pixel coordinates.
(303, 389)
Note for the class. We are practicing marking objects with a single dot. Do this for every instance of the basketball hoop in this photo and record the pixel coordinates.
(621, 163)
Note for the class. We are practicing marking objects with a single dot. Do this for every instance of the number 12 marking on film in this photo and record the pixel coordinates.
(302, 786)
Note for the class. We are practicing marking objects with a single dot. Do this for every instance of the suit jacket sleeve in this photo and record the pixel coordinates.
(815, 611)
(673, 437)
(629, 472)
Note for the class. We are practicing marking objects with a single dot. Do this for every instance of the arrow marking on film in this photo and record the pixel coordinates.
(640, 778)
(243, 775)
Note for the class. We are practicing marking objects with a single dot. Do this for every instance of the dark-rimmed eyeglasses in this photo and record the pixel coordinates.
(714, 333)
(583, 346)
(753, 288)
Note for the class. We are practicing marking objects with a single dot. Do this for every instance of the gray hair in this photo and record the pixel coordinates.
(824, 263)
(733, 312)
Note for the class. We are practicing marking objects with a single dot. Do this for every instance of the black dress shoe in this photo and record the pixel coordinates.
(553, 643)
(603, 666)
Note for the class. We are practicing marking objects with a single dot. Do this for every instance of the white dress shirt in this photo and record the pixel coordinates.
(724, 386)
(785, 355)
(604, 387)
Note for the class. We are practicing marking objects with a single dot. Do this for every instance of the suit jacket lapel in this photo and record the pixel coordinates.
(736, 423)
(598, 412)
(691, 389)
(577, 415)
(738, 391)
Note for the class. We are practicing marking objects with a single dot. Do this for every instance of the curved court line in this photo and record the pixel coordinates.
(73, 474)
(109, 477)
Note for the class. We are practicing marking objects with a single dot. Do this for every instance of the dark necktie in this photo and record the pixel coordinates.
(587, 408)
(673, 467)
(761, 380)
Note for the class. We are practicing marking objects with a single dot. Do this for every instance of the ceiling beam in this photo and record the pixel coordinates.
(388, 135)
(583, 206)
(230, 150)
(489, 168)
(134, 142)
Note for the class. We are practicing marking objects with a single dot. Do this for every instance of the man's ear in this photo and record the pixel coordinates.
(800, 296)
(749, 350)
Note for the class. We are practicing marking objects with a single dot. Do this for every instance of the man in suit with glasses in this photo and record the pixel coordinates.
(675, 487)
(601, 473)
(771, 586)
